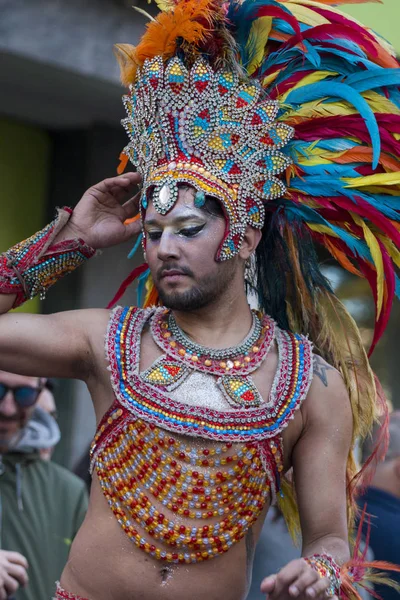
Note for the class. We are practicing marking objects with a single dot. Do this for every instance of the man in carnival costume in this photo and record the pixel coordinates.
(209, 405)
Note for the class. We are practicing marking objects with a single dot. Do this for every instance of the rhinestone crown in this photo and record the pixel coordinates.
(211, 130)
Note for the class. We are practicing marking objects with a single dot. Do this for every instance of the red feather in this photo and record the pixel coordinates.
(279, 13)
(126, 283)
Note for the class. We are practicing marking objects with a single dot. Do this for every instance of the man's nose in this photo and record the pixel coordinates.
(8, 406)
(168, 246)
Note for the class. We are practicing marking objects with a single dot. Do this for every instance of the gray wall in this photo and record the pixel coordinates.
(58, 71)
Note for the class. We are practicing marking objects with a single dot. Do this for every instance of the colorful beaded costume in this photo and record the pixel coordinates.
(287, 112)
(180, 498)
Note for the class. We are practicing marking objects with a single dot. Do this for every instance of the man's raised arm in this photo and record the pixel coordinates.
(60, 344)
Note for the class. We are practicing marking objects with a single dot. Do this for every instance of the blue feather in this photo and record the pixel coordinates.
(141, 283)
(331, 90)
(371, 80)
(397, 286)
(136, 246)
(309, 215)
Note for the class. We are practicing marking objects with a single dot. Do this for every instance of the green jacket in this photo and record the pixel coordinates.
(42, 508)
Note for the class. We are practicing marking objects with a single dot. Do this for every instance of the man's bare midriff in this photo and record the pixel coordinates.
(104, 564)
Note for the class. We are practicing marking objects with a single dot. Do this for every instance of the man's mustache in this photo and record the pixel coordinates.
(4, 419)
(172, 267)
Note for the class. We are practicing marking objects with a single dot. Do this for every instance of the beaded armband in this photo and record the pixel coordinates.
(32, 266)
(325, 566)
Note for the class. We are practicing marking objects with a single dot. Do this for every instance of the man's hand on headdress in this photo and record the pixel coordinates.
(105, 214)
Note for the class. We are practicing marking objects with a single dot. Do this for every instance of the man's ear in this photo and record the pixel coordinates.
(250, 242)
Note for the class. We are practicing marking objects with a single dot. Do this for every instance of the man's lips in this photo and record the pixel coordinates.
(172, 273)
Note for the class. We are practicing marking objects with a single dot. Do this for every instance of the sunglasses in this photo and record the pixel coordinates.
(24, 395)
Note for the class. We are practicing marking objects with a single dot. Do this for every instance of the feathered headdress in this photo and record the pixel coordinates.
(337, 85)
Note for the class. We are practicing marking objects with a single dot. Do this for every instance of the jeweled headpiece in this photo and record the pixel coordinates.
(209, 129)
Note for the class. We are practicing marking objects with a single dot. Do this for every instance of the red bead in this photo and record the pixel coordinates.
(206, 452)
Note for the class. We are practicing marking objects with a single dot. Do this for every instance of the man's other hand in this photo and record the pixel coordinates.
(13, 573)
(296, 580)
(104, 215)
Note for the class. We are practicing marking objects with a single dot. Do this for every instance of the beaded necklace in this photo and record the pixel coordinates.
(196, 350)
(242, 359)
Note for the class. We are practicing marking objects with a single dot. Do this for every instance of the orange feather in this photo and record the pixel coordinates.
(189, 21)
(364, 154)
(341, 258)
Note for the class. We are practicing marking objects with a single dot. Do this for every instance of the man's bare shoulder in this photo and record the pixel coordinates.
(322, 370)
(327, 401)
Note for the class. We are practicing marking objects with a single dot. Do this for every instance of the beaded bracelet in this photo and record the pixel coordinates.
(326, 566)
(32, 266)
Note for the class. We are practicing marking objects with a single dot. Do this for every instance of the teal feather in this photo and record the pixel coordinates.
(317, 91)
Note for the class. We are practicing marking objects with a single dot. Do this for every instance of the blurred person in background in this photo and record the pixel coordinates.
(382, 502)
(47, 403)
(42, 503)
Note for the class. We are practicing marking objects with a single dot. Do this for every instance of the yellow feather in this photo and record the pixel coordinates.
(380, 104)
(306, 15)
(322, 229)
(164, 5)
(312, 161)
(377, 260)
(373, 180)
(318, 109)
(386, 45)
(269, 79)
(259, 35)
(391, 248)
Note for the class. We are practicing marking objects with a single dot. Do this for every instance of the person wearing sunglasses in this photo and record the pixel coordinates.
(42, 504)
(18, 396)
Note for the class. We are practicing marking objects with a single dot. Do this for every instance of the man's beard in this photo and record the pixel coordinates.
(208, 291)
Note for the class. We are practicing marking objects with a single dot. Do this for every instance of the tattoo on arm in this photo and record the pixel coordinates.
(249, 554)
(320, 369)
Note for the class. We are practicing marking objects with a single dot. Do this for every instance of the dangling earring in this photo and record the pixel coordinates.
(199, 199)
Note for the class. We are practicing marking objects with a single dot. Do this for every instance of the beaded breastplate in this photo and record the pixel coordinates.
(189, 453)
